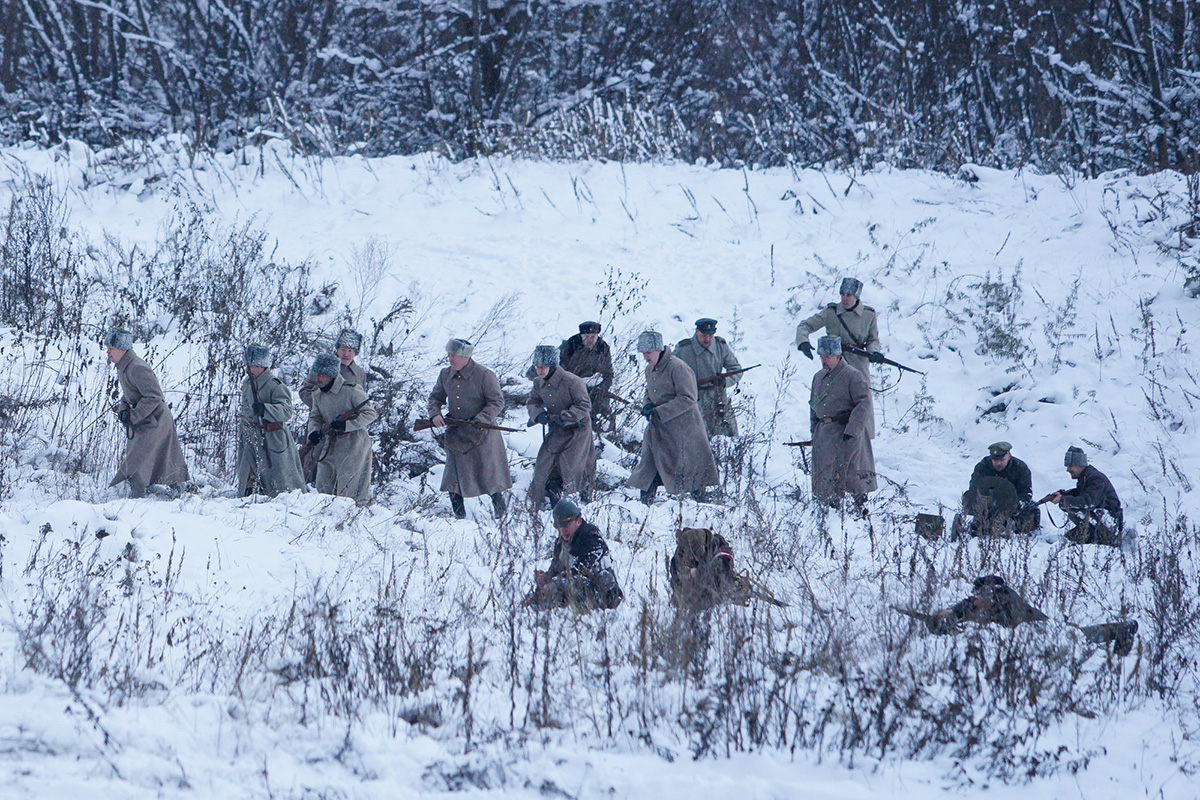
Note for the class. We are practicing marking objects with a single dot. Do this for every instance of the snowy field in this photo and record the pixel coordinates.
(300, 647)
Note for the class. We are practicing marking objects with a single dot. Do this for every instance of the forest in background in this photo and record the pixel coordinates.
(1072, 85)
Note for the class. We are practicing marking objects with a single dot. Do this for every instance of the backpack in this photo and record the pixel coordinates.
(701, 571)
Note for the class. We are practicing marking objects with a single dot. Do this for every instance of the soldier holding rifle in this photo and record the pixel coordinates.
(716, 368)
(267, 457)
(337, 428)
(476, 460)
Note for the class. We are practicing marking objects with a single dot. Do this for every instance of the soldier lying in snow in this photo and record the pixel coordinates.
(993, 600)
(702, 576)
(581, 575)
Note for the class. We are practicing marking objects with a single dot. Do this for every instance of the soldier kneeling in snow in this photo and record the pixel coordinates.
(580, 575)
(701, 572)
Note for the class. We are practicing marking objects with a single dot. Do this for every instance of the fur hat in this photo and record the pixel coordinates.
(119, 338)
(649, 340)
(851, 286)
(349, 338)
(589, 327)
(459, 347)
(564, 510)
(706, 325)
(829, 346)
(258, 355)
(326, 364)
(1075, 457)
(545, 355)
(999, 449)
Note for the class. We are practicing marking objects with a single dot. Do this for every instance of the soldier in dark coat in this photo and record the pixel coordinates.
(566, 461)
(839, 416)
(347, 347)
(1092, 506)
(266, 408)
(708, 355)
(476, 460)
(153, 455)
(991, 601)
(675, 450)
(581, 575)
(999, 500)
(587, 355)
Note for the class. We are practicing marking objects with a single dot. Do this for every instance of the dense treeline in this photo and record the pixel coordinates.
(1090, 84)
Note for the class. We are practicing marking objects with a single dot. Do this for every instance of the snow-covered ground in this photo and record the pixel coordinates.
(1045, 311)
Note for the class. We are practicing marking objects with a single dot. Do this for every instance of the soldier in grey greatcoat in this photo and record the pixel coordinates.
(839, 415)
(266, 408)
(342, 447)
(347, 346)
(675, 450)
(566, 461)
(708, 355)
(587, 355)
(153, 455)
(476, 460)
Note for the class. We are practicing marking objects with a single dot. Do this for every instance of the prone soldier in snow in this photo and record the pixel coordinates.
(710, 357)
(581, 575)
(566, 461)
(267, 458)
(153, 455)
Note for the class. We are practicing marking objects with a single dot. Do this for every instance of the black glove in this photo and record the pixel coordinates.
(846, 437)
(806, 348)
(259, 409)
(314, 437)
(648, 410)
(542, 418)
(338, 425)
(875, 358)
(556, 420)
(123, 416)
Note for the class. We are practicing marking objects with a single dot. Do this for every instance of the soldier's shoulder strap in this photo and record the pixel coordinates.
(720, 339)
(869, 308)
(834, 306)
(683, 343)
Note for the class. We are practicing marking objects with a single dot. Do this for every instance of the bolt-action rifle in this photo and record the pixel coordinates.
(878, 358)
(426, 424)
(710, 381)
(801, 445)
(616, 397)
(327, 429)
(933, 622)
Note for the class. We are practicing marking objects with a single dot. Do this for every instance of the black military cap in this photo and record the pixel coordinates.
(999, 449)
(988, 581)
(706, 325)
(589, 327)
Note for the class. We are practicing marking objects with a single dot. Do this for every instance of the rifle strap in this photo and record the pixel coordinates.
(849, 335)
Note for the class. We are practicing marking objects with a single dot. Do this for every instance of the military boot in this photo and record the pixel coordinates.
(499, 507)
(458, 506)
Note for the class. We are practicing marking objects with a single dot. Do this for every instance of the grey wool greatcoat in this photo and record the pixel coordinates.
(253, 474)
(567, 446)
(840, 405)
(345, 469)
(352, 373)
(675, 445)
(719, 419)
(476, 461)
(153, 454)
(857, 327)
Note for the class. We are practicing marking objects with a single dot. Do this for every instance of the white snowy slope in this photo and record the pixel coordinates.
(301, 647)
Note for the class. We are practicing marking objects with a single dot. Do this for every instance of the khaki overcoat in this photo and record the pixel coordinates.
(857, 327)
(715, 407)
(476, 461)
(840, 404)
(574, 357)
(570, 448)
(675, 445)
(253, 473)
(153, 454)
(345, 468)
(351, 373)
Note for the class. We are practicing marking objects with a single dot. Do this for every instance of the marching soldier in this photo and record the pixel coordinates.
(337, 431)
(849, 320)
(566, 461)
(587, 355)
(476, 460)
(153, 455)
(347, 346)
(675, 450)
(839, 415)
(267, 456)
(709, 355)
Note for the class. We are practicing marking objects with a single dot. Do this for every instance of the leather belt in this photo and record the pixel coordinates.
(838, 420)
(269, 427)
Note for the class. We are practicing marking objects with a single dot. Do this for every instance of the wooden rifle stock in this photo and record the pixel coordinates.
(858, 351)
(704, 383)
(349, 414)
